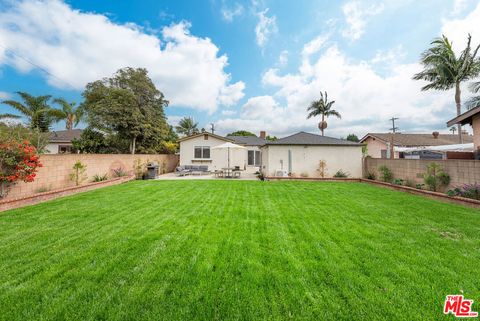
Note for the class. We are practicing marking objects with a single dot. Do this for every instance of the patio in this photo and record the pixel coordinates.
(173, 176)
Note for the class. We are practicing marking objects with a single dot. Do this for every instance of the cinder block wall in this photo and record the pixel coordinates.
(56, 170)
(461, 171)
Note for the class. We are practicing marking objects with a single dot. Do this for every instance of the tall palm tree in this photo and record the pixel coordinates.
(6, 116)
(36, 109)
(322, 107)
(444, 70)
(71, 114)
(187, 126)
(474, 101)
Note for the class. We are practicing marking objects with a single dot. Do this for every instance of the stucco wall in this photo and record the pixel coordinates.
(461, 171)
(57, 168)
(476, 132)
(218, 157)
(375, 146)
(306, 159)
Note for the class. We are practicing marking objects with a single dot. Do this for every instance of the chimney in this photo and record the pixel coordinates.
(263, 134)
(435, 135)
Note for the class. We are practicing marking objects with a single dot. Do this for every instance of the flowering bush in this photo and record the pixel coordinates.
(18, 162)
(467, 190)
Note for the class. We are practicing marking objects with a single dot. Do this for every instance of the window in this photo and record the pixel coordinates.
(202, 152)
(254, 158)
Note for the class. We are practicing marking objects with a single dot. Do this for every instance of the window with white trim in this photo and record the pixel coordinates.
(202, 152)
(254, 158)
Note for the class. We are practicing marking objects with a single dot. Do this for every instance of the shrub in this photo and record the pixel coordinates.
(119, 172)
(322, 168)
(419, 186)
(371, 175)
(78, 174)
(260, 176)
(410, 183)
(99, 178)
(467, 190)
(18, 162)
(139, 168)
(386, 174)
(398, 181)
(435, 177)
(341, 174)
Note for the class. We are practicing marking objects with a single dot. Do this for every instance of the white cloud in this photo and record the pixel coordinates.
(314, 45)
(357, 15)
(228, 14)
(80, 47)
(266, 27)
(365, 98)
(4, 95)
(228, 112)
(457, 29)
(283, 58)
(389, 57)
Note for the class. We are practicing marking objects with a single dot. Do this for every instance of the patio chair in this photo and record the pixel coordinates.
(182, 171)
(218, 173)
(236, 174)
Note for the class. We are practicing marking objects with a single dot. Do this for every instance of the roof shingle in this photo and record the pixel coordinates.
(303, 138)
(411, 140)
(65, 136)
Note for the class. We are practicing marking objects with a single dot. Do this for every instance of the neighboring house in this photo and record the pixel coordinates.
(471, 117)
(61, 141)
(197, 150)
(378, 144)
(299, 154)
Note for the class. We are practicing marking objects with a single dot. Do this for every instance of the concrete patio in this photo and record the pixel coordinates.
(174, 176)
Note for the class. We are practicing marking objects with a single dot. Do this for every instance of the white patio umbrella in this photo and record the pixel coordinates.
(228, 146)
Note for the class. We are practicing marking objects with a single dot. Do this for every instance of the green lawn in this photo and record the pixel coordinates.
(227, 250)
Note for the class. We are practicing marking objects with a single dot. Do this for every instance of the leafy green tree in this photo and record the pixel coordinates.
(93, 141)
(322, 107)
(69, 112)
(127, 104)
(353, 138)
(36, 109)
(19, 133)
(444, 70)
(187, 126)
(271, 138)
(242, 133)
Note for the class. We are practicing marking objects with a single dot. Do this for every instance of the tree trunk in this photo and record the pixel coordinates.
(323, 119)
(134, 140)
(459, 110)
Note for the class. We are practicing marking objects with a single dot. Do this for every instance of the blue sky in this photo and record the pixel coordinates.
(251, 65)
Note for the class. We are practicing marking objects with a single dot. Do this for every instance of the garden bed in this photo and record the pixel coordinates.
(45, 196)
(436, 195)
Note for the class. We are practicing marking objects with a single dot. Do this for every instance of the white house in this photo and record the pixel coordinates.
(60, 141)
(299, 154)
(197, 150)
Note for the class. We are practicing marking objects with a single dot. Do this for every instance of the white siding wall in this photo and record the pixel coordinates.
(305, 159)
(51, 148)
(218, 157)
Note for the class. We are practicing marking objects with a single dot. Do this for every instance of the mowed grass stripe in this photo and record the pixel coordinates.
(175, 250)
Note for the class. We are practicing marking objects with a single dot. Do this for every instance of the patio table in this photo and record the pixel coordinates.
(228, 172)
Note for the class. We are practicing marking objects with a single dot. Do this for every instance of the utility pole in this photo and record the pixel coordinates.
(393, 129)
(212, 128)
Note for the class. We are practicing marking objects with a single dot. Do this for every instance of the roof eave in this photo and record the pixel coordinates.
(465, 118)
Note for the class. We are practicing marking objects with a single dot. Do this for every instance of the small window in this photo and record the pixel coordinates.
(202, 152)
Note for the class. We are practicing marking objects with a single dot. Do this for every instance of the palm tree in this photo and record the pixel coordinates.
(187, 126)
(71, 114)
(6, 116)
(474, 101)
(322, 107)
(444, 70)
(36, 109)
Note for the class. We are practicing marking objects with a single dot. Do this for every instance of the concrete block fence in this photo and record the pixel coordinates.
(56, 170)
(461, 171)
